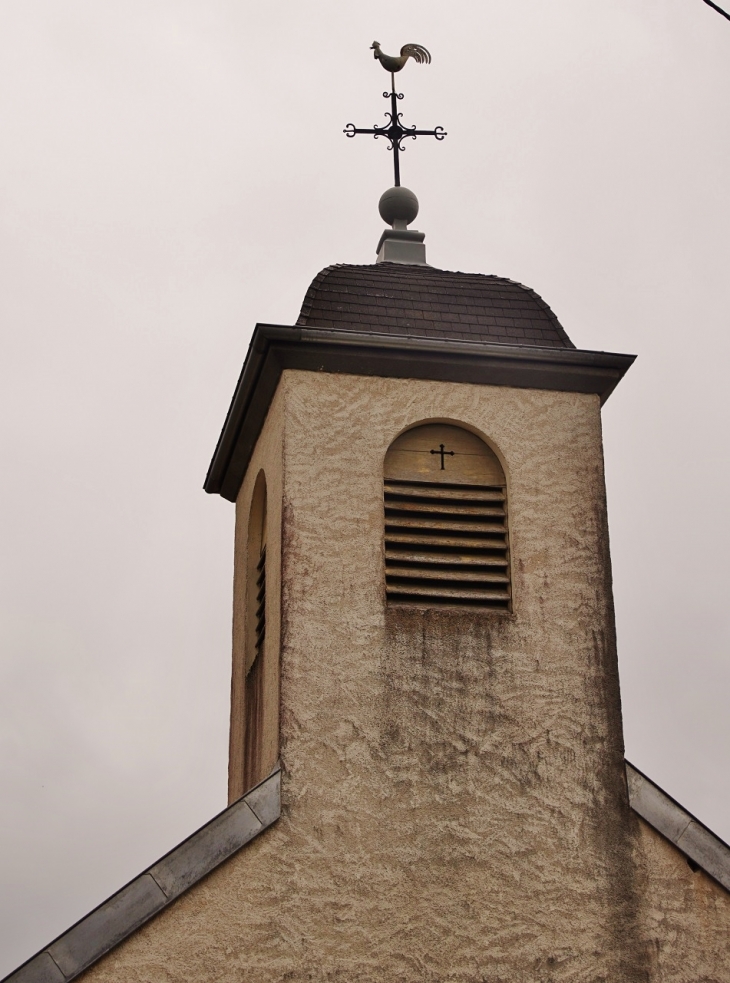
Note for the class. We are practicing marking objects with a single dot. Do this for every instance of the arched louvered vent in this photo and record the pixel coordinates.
(446, 534)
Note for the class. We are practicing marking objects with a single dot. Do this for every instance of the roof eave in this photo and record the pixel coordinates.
(274, 348)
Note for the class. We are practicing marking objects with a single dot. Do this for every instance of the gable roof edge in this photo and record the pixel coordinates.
(680, 827)
(97, 933)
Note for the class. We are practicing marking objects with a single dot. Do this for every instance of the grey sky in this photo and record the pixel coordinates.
(173, 172)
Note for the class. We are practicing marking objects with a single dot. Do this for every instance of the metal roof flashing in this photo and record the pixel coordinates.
(147, 895)
(155, 888)
(695, 840)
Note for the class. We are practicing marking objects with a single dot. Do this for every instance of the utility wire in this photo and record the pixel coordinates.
(718, 9)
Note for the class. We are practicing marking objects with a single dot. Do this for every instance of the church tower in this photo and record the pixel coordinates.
(426, 761)
(424, 634)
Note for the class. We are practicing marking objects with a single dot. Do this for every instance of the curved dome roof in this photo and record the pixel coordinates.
(419, 301)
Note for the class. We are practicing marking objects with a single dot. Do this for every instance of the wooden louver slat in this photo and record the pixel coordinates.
(261, 600)
(446, 544)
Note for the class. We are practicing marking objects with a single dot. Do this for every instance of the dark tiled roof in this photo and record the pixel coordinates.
(419, 301)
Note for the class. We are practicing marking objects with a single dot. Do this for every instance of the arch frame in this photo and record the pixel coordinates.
(254, 722)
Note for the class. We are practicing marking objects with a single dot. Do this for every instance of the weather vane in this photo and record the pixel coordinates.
(394, 129)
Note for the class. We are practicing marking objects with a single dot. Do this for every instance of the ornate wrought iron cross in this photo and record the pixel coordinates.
(394, 129)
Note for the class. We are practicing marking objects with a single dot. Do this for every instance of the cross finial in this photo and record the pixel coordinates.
(394, 131)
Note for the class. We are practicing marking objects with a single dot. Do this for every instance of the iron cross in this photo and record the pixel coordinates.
(394, 129)
(443, 453)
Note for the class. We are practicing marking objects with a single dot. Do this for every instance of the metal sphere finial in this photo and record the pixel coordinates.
(398, 207)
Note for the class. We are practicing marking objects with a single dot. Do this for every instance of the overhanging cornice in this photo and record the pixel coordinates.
(275, 348)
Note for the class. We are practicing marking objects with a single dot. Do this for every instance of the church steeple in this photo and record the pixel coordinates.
(443, 690)
(440, 648)
(426, 761)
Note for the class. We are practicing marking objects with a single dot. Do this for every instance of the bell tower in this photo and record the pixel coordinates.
(426, 772)
(438, 674)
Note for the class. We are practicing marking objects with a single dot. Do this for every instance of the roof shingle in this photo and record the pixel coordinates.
(419, 301)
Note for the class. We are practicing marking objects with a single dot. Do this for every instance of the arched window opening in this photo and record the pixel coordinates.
(446, 533)
(255, 636)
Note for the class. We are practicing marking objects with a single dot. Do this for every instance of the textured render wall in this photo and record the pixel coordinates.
(685, 915)
(454, 801)
(475, 761)
(267, 456)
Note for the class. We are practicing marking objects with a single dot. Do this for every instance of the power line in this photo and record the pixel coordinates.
(718, 9)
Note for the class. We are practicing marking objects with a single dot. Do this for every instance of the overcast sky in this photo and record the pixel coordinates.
(173, 171)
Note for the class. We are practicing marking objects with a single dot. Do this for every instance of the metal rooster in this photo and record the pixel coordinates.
(392, 64)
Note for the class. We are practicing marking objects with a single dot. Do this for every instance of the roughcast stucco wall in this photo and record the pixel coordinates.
(454, 802)
(684, 914)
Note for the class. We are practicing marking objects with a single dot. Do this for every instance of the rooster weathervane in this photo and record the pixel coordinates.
(394, 130)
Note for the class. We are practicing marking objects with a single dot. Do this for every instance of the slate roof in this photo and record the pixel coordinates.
(419, 301)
